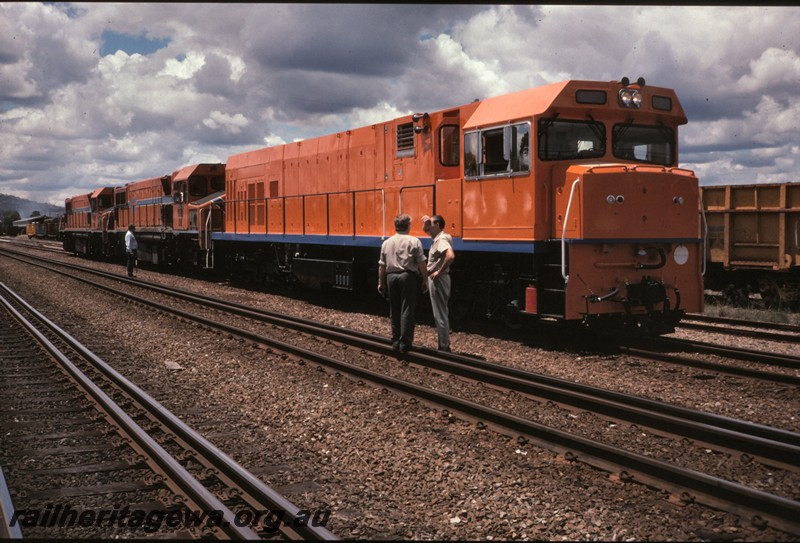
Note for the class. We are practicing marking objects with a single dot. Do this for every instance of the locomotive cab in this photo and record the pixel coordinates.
(86, 221)
(625, 218)
(586, 171)
(190, 186)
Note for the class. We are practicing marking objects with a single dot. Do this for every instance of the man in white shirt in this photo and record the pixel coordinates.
(440, 258)
(131, 247)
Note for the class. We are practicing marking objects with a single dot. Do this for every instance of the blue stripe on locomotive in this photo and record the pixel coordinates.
(459, 244)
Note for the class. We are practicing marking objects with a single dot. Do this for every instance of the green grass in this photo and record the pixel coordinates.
(719, 309)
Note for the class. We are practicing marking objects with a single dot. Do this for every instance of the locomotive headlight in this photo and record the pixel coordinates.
(610, 199)
(630, 98)
(677, 200)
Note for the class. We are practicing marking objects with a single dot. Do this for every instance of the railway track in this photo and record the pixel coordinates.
(773, 446)
(660, 349)
(663, 350)
(756, 329)
(54, 375)
(48, 246)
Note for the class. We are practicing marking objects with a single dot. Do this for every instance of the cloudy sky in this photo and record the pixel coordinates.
(101, 94)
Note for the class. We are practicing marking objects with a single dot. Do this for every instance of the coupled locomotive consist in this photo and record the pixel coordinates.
(564, 202)
(169, 213)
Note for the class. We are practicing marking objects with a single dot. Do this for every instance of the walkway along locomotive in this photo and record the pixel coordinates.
(564, 202)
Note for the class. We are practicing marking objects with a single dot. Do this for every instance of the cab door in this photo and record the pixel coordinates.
(179, 196)
(447, 172)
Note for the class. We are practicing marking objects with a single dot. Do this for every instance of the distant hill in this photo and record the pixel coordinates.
(26, 207)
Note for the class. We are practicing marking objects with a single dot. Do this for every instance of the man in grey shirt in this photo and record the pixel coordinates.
(400, 267)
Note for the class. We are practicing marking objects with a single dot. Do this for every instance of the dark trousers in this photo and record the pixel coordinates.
(131, 261)
(402, 289)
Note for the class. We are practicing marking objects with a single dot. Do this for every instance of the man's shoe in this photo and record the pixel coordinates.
(403, 348)
(445, 350)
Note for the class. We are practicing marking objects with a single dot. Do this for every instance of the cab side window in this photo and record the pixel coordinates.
(449, 152)
(497, 151)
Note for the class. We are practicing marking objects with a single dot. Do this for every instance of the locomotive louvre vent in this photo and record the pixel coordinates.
(405, 139)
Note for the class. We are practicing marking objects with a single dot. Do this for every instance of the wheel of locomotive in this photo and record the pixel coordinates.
(512, 318)
(460, 308)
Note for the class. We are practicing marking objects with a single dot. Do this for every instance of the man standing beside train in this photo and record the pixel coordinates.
(401, 264)
(131, 247)
(440, 258)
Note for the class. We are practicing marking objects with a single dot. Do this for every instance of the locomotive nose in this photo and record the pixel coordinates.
(647, 204)
(633, 242)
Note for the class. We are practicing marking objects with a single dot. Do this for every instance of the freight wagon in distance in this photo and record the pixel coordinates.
(754, 242)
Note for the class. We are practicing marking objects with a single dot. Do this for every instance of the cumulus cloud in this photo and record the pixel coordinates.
(774, 70)
(231, 123)
(38, 51)
(184, 68)
(226, 78)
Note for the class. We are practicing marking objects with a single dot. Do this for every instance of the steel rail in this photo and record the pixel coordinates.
(738, 353)
(781, 447)
(7, 531)
(778, 446)
(217, 458)
(749, 355)
(755, 334)
(659, 475)
(169, 465)
(761, 507)
(649, 354)
(742, 322)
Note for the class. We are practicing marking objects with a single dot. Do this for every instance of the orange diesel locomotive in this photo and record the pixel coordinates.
(564, 201)
(172, 215)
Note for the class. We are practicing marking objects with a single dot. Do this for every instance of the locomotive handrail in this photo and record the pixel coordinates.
(250, 202)
(662, 261)
(705, 233)
(564, 232)
(207, 239)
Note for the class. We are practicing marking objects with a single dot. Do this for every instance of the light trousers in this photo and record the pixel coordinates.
(439, 289)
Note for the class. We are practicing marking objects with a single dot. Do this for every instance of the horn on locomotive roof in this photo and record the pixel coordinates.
(425, 118)
(625, 81)
(416, 117)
